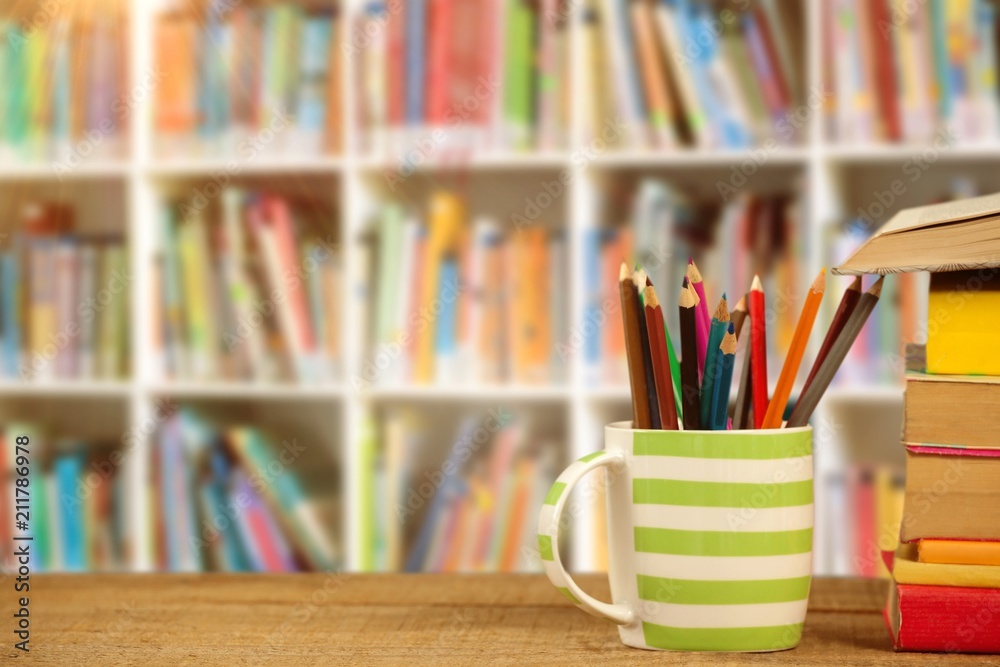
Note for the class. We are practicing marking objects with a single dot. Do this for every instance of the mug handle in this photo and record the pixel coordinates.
(548, 538)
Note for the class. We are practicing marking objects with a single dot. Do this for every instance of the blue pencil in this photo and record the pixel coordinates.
(725, 360)
(720, 323)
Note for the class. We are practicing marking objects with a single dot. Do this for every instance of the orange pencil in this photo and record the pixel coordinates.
(776, 409)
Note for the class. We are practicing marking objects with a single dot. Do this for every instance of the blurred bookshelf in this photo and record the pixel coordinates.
(528, 176)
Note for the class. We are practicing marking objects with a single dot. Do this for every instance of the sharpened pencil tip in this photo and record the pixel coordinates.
(623, 273)
(649, 297)
(756, 286)
(855, 284)
(876, 289)
(819, 285)
(692, 272)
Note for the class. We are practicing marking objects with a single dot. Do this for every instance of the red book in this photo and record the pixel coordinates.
(439, 61)
(943, 618)
(885, 74)
(396, 75)
(777, 67)
(866, 551)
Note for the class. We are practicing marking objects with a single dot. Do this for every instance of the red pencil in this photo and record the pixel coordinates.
(758, 352)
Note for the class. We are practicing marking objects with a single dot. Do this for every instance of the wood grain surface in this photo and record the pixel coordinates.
(317, 619)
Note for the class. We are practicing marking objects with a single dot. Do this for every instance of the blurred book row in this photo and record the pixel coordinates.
(863, 507)
(442, 76)
(63, 300)
(457, 303)
(77, 499)
(912, 72)
(248, 80)
(752, 234)
(65, 95)
(229, 500)
(248, 290)
(686, 73)
(475, 510)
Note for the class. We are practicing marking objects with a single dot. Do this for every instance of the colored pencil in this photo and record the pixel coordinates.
(742, 411)
(797, 348)
(758, 352)
(824, 376)
(675, 367)
(633, 348)
(689, 360)
(661, 364)
(703, 322)
(720, 324)
(720, 391)
(848, 303)
(639, 280)
(739, 315)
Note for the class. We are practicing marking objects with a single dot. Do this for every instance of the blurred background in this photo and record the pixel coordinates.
(298, 285)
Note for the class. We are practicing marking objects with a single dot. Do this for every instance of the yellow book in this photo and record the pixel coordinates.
(907, 569)
(965, 313)
(958, 552)
(446, 217)
(889, 495)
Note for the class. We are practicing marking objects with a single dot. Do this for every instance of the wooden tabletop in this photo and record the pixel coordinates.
(468, 620)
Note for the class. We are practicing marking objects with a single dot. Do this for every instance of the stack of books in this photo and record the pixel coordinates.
(231, 500)
(920, 72)
(479, 75)
(78, 501)
(475, 511)
(465, 303)
(248, 80)
(946, 573)
(66, 94)
(750, 234)
(248, 292)
(64, 300)
(687, 73)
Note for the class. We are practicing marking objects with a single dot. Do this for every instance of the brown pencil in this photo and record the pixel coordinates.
(739, 315)
(690, 393)
(661, 362)
(741, 414)
(633, 348)
(848, 303)
(639, 280)
(824, 376)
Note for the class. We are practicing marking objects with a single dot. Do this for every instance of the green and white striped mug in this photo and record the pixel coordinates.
(709, 537)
